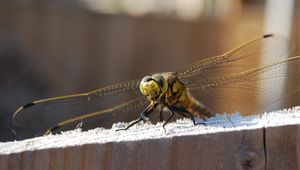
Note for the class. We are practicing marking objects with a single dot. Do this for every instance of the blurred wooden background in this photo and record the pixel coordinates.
(50, 48)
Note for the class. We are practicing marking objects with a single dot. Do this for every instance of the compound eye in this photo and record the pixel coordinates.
(161, 81)
(150, 88)
(146, 79)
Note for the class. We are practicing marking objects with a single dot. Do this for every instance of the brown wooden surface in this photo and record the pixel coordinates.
(270, 148)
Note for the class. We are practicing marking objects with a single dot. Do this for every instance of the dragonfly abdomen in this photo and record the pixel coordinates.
(196, 108)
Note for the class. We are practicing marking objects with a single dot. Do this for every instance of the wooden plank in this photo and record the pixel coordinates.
(283, 147)
(269, 141)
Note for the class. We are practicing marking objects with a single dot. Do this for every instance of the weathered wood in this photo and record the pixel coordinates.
(270, 141)
(283, 147)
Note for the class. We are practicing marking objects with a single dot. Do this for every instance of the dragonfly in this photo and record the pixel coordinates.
(185, 93)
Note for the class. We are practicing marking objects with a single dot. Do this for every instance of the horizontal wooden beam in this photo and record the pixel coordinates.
(267, 141)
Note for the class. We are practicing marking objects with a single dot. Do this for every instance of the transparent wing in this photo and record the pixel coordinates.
(256, 90)
(244, 57)
(251, 78)
(99, 108)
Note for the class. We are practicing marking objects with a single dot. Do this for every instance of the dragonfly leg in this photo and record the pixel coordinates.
(172, 115)
(133, 123)
(183, 110)
(161, 118)
(143, 116)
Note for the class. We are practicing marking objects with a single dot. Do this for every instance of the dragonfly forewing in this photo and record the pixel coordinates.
(256, 86)
(242, 58)
(109, 102)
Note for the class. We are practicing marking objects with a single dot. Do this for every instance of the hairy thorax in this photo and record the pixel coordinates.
(177, 95)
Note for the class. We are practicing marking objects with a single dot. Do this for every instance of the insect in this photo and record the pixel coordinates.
(235, 73)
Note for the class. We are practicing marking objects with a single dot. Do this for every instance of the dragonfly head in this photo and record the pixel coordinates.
(154, 86)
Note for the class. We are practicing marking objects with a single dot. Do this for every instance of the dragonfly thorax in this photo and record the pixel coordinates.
(154, 86)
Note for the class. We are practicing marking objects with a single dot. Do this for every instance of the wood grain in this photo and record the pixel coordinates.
(240, 147)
